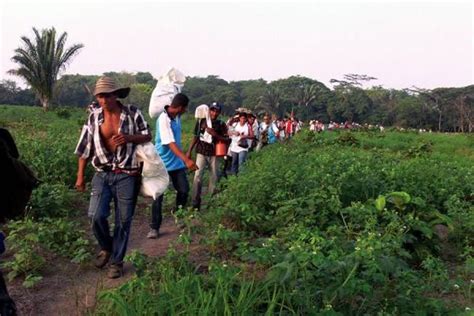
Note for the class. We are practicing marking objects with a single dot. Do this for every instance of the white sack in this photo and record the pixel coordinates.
(202, 112)
(166, 88)
(155, 178)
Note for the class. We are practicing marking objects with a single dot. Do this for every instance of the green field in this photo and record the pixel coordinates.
(337, 223)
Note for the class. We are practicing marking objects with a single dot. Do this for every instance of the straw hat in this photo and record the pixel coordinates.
(108, 85)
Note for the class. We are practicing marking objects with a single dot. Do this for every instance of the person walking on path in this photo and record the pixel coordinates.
(241, 134)
(206, 152)
(168, 146)
(267, 132)
(108, 140)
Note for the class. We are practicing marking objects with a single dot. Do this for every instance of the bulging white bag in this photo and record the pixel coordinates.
(202, 112)
(166, 88)
(155, 178)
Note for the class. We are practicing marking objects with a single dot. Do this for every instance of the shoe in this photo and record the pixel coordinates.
(115, 271)
(152, 234)
(102, 259)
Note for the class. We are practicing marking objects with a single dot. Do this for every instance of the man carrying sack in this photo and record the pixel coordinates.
(108, 140)
(206, 151)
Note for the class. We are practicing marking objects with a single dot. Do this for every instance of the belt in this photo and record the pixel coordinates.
(130, 172)
(133, 173)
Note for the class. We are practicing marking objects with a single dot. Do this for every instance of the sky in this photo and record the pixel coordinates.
(403, 44)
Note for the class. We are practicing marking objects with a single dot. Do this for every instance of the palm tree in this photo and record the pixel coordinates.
(270, 101)
(306, 94)
(41, 60)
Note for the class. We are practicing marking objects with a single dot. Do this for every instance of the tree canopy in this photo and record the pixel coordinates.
(443, 109)
(41, 59)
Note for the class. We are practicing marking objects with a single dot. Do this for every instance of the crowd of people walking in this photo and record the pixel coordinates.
(109, 140)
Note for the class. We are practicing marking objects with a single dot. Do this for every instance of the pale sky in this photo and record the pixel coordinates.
(426, 44)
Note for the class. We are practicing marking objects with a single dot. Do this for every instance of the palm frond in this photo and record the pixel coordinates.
(41, 59)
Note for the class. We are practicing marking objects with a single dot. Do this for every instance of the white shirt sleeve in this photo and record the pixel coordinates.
(166, 133)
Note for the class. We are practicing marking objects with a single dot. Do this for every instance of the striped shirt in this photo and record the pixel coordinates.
(91, 146)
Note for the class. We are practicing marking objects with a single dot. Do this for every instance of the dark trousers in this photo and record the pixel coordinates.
(7, 305)
(122, 189)
(181, 185)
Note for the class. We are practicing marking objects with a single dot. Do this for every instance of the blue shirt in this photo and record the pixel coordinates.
(168, 131)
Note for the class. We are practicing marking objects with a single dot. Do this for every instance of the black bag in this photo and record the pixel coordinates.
(17, 180)
(243, 143)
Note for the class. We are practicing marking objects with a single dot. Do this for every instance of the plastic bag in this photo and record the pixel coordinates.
(155, 178)
(243, 143)
(166, 88)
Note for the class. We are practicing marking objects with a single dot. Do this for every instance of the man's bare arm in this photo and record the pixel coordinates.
(187, 161)
(191, 147)
(81, 167)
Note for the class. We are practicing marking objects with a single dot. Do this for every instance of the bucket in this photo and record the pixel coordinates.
(221, 149)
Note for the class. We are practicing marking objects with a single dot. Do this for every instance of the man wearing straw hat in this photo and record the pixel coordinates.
(108, 140)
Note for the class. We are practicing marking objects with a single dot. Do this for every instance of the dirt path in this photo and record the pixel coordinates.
(70, 289)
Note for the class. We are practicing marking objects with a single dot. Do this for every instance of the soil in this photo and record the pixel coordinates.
(71, 289)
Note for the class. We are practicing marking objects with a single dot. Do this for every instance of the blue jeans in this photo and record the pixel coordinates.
(237, 160)
(122, 188)
(181, 185)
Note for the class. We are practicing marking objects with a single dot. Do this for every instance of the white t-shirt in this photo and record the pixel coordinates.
(164, 128)
(243, 130)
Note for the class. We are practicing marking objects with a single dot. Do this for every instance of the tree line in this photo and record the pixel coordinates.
(440, 109)
(42, 58)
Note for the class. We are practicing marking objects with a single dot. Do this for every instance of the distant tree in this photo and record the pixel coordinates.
(41, 60)
(352, 80)
(8, 91)
(123, 79)
(205, 90)
(227, 95)
(75, 90)
(411, 112)
(464, 107)
(145, 77)
(270, 101)
(140, 94)
(306, 94)
(384, 103)
(250, 92)
(11, 94)
(306, 97)
(351, 102)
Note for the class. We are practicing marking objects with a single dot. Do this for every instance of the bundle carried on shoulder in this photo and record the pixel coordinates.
(166, 88)
(202, 112)
(155, 178)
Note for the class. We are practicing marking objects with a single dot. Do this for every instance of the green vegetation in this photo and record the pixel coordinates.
(46, 142)
(350, 226)
(336, 223)
(440, 109)
(41, 59)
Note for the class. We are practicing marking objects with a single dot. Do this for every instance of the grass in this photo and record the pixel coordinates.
(298, 231)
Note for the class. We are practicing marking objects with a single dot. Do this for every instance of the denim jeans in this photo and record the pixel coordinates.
(202, 162)
(181, 185)
(122, 188)
(237, 160)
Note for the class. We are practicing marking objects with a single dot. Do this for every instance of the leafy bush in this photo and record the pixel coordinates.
(63, 113)
(28, 240)
(349, 226)
(50, 200)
